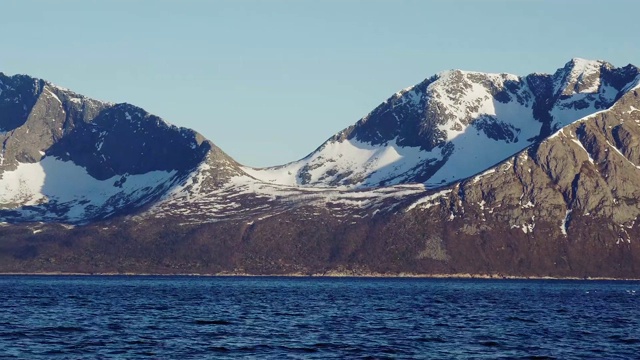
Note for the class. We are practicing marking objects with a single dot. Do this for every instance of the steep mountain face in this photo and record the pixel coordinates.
(465, 173)
(72, 159)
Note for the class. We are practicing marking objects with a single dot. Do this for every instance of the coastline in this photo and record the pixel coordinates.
(324, 275)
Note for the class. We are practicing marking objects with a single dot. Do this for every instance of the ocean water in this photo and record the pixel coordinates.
(136, 317)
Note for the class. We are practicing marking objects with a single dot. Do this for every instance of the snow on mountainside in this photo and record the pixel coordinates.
(454, 125)
(53, 187)
(69, 158)
(443, 130)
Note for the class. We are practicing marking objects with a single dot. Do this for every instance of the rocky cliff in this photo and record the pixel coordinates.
(464, 173)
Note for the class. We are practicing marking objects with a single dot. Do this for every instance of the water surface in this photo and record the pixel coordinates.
(133, 317)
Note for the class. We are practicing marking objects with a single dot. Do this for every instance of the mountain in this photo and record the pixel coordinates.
(67, 158)
(463, 173)
(454, 125)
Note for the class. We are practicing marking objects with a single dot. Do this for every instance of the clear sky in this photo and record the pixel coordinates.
(269, 81)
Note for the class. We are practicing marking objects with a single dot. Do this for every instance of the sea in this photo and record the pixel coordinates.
(193, 317)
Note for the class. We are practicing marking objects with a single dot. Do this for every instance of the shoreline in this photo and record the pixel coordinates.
(324, 275)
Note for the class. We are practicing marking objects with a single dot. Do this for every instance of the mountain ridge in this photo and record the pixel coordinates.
(430, 112)
(555, 192)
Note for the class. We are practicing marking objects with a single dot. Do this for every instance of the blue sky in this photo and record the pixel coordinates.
(269, 81)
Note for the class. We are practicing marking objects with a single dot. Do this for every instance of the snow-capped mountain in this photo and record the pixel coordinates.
(72, 159)
(69, 158)
(463, 173)
(454, 125)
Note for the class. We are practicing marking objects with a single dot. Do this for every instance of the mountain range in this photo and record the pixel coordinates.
(464, 173)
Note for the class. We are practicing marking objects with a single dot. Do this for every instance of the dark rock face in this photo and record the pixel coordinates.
(106, 139)
(497, 130)
(566, 205)
(17, 95)
(397, 118)
(124, 139)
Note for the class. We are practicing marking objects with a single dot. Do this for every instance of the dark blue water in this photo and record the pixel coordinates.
(316, 318)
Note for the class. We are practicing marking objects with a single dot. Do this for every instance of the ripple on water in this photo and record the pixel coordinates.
(520, 319)
(212, 322)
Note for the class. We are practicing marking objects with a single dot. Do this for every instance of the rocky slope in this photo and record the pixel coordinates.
(464, 173)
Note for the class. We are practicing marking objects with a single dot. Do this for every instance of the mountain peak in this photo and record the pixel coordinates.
(579, 76)
(584, 63)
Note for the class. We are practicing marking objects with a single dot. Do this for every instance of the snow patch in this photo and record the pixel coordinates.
(359, 159)
(622, 155)
(580, 70)
(577, 142)
(62, 182)
(528, 228)
(528, 205)
(563, 226)
(53, 95)
(428, 201)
